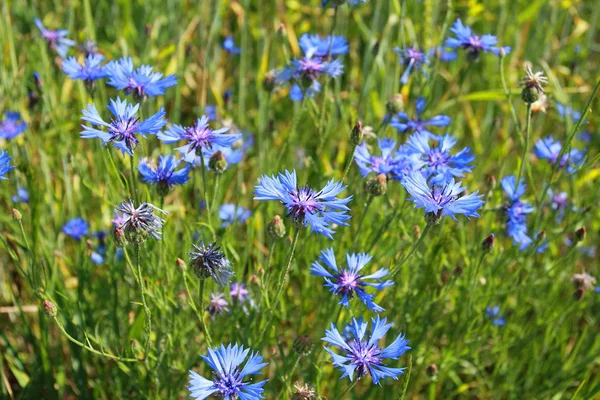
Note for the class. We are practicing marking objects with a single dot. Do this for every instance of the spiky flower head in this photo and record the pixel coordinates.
(140, 223)
(210, 262)
(123, 128)
(238, 292)
(229, 378)
(304, 391)
(473, 43)
(403, 123)
(364, 356)
(493, 313)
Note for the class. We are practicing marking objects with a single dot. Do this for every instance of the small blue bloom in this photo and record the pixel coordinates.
(567, 111)
(516, 211)
(123, 128)
(90, 71)
(211, 112)
(217, 304)
(97, 258)
(238, 292)
(559, 203)
(315, 209)
(403, 123)
(142, 81)
(5, 166)
(362, 356)
(12, 126)
(56, 39)
(413, 58)
(229, 380)
(467, 40)
(21, 197)
(76, 228)
(493, 313)
(392, 162)
(441, 200)
(89, 47)
(231, 213)
(436, 163)
(315, 45)
(164, 174)
(443, 54)
(346, 283)
(549, 149)
(597, 289)
(199, 137)
(230, 47)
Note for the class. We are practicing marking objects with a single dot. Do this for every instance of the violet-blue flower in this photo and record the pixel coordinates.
(12, 126)
(549, 149)
(217, 304)
(141, 81)
(568, 111)
(165, 174)
(90, 71)
(230, 47)
(231, 213)
(5, 166)
(306, 206)
(516, 211)
(315, 45)
(493, 313)
(403, 123)
(56, 40)
(473, 43)
(440, 201)
(362, 355)
(123, 127)
(389, 161)
(229, 379)
(76, 228)
(238, 292)
(346, 283)
(413, 59)
(22, 196)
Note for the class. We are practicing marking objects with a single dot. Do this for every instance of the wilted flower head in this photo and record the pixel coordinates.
(76, 228)
(12, 126)
(91, 70)
(436, 163)
(533, 80)
(549, 149)
(210, 262)
(231, 213)
(493, 313)
(123, 128)
(365, 356)
(315, 45)
(56, 39)
(413, 58)
(139, 223)
(540, 104)
(583, 280)
(304, 391)
(403, 123)
(466, 39)
(346, 283)
(307, 207)
(164, 174)
(217, 304)
(5, 166)
(142, 81)
(229, 379)
(441, 200)
(230, 47)
(199, 137)
(238, 292)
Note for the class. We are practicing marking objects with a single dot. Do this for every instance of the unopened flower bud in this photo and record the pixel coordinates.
(163, 188)
(276, 228)
(303, 345)
(492, 182)
(445, 276)
(530, 95)
(580, 234)
(433, 218)
(181, 265)
(254, 279)
(578, 295)
(17, 214)
(357, 133)
(541, 236)
(50, 309)
(119, 236)
(458, 270)
(376, 186)
(432, 370)
(269, 81)
(217, 163)
(89, 244)
(395, 104)
(487, 246)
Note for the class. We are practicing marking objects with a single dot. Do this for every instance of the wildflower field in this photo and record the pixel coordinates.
(283, 199)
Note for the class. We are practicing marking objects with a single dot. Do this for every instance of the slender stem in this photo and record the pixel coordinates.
(205, 189)
(133, 179)
(508, 94)
(90, 348)
(282, 280)
(362, 219)
(347, 390)
(525, 154)
(265, 278)
(201, 311)
(474, 283)
(347, 169)
(412, 250)
(215, 190)
(148, 322)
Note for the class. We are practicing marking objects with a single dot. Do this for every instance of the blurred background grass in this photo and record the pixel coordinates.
(549, 346)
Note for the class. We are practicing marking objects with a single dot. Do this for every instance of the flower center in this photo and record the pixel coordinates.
(229, 385)
(198, 136)
(437, 158)
(124, 129)
(475, 43)
(348, 283)
(363, 355)
(304, 201)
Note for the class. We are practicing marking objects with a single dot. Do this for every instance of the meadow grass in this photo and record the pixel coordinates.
(97, 345)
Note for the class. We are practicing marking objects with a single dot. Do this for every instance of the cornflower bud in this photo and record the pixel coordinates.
(395, 104)
(487, 246)
(357, 134)
(303, 345)
(276, 228)
(50, 309)
(217, 162)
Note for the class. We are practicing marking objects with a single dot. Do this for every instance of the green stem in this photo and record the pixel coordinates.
(201, 311)
(347, 169)
(205, 189)
(347, 390)
(362, 219)
(474, 283)
(525, 153)
(265, 278)
(412, 250)
(133, 179)
(215, 190)
(148, 322)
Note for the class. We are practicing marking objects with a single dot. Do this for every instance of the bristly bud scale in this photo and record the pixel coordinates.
(395, 104)
(50, 309)
(217, 162)
(356, 136)
(304, 391)
(181, 265)
(487, 246)
(210, 262)
(303, 345)
(119, 237)
(276, 228)
(376, 186)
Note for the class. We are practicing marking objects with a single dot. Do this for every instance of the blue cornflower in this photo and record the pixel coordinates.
(199, 137)
(443, 54)
(238, 292)
(142, 81)
(441, 200)
(164, 174)
(549, 149)
(5, 166)
(559, 203)
(349, 282)
(493, 313)
(122, 129)
(211, 112)
(76, 228)
(413, 58)
(436, 163)
(12, 126)
(217, 304)
(230, 47)
(403, 123)
(97, 258)
(384, 164)
(231, 213)
(567, 111)
(229, 380)
(21, 197)
(56, 39)
(364, 356)
(467, 40)
(90, 71)
(316, 209)
(315, 45)
(516, 211)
